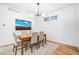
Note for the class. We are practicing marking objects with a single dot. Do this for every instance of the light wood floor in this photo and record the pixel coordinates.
(63, 49)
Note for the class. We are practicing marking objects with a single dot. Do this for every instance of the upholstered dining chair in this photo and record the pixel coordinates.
(24, 32)
(41, 38)
(34, 41)
(17, 44)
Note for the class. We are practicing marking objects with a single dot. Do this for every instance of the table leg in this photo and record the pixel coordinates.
(22, 49)
(45, 38)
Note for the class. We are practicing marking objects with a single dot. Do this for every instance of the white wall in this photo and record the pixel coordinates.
(68, 26)
(8, 17)
(78, 19)
(78, 22)
(37, 24)
(65, 29)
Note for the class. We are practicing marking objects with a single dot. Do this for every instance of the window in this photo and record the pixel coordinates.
(46, 19)
(54, 17)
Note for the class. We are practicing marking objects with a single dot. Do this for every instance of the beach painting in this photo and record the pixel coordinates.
(23, 24)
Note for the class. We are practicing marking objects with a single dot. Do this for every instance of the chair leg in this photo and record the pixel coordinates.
(34, 46)
(42, 42)
(31, 49)
(25, 47)
(37, 45)
(15, 50)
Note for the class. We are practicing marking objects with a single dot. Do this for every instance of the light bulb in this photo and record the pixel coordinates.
(43, 14)
(36, 10)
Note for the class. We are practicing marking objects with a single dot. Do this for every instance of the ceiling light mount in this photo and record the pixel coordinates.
(38, 13)
(38, 3)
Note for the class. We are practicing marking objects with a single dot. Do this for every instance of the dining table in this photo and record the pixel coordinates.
(24, 38)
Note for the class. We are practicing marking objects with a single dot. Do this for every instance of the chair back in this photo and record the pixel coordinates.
(41, 36)
(24, 32)
(15, 38)
(30, 32)
(34, 37)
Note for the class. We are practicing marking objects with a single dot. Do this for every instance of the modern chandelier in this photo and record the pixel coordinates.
(37, 11)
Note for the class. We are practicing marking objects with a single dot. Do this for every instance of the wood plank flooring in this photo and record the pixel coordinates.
(63, 49)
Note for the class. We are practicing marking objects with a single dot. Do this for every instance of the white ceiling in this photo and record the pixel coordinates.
(30, 8)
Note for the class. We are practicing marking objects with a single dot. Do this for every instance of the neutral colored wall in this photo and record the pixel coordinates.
(37, 24)
(68, 26)
(78, 22)
(8, 17)
(65, 29)
(68, 19)
(78, 17)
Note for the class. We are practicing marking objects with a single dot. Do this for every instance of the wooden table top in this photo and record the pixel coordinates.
(25, 37)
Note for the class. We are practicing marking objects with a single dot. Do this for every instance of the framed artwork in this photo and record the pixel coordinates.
(21, 24)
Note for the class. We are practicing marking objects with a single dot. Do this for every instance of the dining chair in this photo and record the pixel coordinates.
(17, 44)
(34, 41)
(24, 32)
(41, 39)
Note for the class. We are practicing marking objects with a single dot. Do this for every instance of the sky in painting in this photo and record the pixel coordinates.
(20, 22)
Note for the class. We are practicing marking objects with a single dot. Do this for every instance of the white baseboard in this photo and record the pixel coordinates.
(59, 42)
(7, 45)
